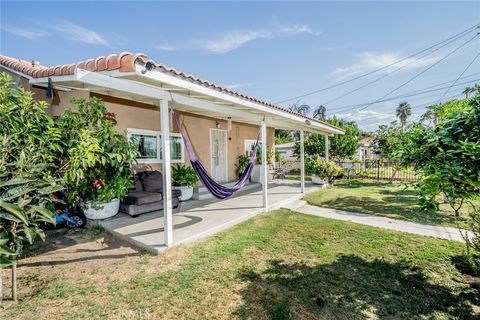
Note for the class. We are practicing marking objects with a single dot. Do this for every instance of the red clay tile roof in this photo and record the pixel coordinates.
(124, 62)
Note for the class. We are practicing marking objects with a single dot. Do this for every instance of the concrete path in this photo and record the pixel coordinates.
(440, 232)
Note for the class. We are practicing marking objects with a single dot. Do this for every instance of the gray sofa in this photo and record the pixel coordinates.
(147, 196)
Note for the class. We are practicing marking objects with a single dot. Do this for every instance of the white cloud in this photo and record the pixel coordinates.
(369, 120)
(369, 61)
(240, 85)
(79, 33)
(235, 39)
(29, 34)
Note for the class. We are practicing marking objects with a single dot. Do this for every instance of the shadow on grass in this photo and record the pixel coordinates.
(350, 287)
(394, 206)
(353, 184)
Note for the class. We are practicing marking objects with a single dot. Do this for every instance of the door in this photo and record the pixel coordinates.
(218, 151)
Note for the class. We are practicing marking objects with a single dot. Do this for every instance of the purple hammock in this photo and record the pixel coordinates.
(218, 190)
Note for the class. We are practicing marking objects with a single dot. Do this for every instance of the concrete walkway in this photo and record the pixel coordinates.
(440, 232)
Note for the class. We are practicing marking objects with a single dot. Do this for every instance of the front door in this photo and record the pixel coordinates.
(218, 150)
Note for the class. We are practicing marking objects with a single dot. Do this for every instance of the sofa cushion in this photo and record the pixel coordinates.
(142, 197)
(152, 181)
(176, 193)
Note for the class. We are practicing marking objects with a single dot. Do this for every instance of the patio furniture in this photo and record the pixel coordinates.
(278, 172)
(147, 196)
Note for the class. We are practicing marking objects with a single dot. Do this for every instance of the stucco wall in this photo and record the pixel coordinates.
(141, 116)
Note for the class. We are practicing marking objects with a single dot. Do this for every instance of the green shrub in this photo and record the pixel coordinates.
(323, 169)
(183, 175)
(100, 158)
(242, 164)
(28, 144)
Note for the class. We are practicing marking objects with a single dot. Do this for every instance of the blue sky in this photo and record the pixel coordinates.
(272, 50)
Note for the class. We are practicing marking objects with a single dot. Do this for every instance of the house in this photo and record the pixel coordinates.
(141, 93)
(285, 151)
(365, 149)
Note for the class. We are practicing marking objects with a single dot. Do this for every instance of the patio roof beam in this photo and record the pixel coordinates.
(104, 82)
(163, 77)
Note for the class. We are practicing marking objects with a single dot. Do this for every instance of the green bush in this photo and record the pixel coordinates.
(99, 158)
(323, 169)
(183, 175)
(29, 142)
(242, 164)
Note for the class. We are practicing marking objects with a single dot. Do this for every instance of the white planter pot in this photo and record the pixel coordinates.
(101, 210)
(257, 169)
(318, 180)
(187, 192)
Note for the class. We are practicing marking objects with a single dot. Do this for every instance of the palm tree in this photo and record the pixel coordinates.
(319, 112)
(467, 91)
(404, 110)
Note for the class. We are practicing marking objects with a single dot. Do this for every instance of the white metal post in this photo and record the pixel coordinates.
(167, 175)
(264, 165)
(327, 149)
(302, 161)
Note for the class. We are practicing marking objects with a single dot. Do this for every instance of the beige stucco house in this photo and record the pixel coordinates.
(222, 123)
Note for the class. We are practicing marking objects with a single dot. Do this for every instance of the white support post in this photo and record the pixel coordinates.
(264, 165)
(167, 174)
(327, 149)
(302, 161)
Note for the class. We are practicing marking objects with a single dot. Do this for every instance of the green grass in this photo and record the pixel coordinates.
(397, 201)
(280, 265)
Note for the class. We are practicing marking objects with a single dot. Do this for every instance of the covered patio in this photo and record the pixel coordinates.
(133, 77)
(195, 220)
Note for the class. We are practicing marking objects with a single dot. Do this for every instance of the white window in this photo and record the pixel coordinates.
(250, 145)
(148, 143)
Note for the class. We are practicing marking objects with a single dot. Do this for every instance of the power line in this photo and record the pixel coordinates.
(388, 74)
(459, 35)
(405, 95)
(417, 106)
(461, 74)
(422, 72)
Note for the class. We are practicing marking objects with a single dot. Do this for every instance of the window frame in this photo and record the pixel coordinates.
(158, 135)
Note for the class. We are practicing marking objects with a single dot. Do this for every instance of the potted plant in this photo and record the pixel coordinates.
(101, 173)
(322, 172)
(101, 197)
(184, 178)
(243, 161)
(257, 168)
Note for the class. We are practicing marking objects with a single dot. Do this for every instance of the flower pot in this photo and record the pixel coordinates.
(101, 210)
(319, 180)
(256, 173)
(187, 192)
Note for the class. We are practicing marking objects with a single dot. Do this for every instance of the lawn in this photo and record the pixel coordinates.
(270, 267)
(397, 200)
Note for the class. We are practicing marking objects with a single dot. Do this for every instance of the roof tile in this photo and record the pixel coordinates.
(124, 62)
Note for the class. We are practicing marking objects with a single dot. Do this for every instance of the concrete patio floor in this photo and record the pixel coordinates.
(195, 220)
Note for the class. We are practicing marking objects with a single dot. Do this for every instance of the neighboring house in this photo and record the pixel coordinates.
(141, 93)
(365, 149)
(286, 151)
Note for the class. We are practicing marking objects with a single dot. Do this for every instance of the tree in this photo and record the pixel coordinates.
(404, 110)
(388, 142)
(28, 144)
(301, 108)
(320, 112)
(447, 158)
(467, 91)
(341, 146)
